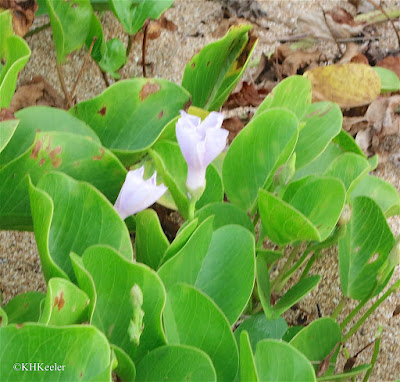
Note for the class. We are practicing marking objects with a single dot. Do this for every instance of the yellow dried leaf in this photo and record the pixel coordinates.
(349, 85)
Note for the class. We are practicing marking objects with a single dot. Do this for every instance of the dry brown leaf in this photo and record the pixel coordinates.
(235, 125)
(248, 95)
(313, 24)
(353, 54)
(6, 114)
(36, 92)
(392, 63)
(23, 12)
(225, 24)
(354, 124)
(341, 16)
(167, 24)
(348, 85)
(363, 140)
(384, 116)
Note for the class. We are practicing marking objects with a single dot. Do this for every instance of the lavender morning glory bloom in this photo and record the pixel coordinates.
(137, 194)
(200, 143)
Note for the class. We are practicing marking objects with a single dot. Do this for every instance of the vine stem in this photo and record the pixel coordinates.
(371, 310)
(63, 86)
(374, 355)
(339, 307)
(37, 30)
(146, 24)
(285, 268)
(353, 313)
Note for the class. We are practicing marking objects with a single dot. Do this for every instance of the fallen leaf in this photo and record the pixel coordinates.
(314, 24)
(6, 114)
(167, 24)
(354, 124)
(392, 63)
(348, 85)
(341, 16)
(225, 24)
(248, 9)
(384, 116)
(353, 54)
(265, 70)
(23, 12)
(235, 125)
(36, 92)
(248, 95)
(396, 312)
(363, 140)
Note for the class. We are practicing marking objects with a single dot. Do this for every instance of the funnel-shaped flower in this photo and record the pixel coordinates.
(200, 143)
(137, 194)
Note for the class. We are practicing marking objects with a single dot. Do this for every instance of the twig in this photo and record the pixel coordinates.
(129, 46)
(37, 30)
(331, 31)
(146, 24)
(340, 40)
(105, 79)
(63, 86)
(377, 6)
(82, 68)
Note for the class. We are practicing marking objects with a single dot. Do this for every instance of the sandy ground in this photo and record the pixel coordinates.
(20, 269)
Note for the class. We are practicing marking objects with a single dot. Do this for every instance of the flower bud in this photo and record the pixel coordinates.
(345, 216)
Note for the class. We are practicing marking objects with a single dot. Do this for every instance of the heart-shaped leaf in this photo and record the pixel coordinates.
(77, 156)
(364, 249)
(187, 317)
(176, 363)
(114, 277)
(144, 107)
(212, 74)
(75, 353)
(281, 362)
(71, 216)
(263, 145)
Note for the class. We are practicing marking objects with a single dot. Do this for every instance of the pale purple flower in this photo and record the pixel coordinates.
(137, 194)
(200, 143)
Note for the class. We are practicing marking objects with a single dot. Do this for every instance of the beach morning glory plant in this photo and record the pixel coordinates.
(137, 194)
(200, 143)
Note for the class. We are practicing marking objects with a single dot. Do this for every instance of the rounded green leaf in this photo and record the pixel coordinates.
(293, 93)
(73, 154)
(192, 318)
(65, 303)
(83, 349)
(279, 361)
(317, 340)
(224, 264)
(24, 308)
(364, 249)
(70, 22)
(259, 328)
(42, 118)
(213, 73)
(259, 149)
(389, 80)
(176, 363)
(143, 106)
(125, 369)
(7, 130)
(247, 366)
(114, 278)
(70, 216)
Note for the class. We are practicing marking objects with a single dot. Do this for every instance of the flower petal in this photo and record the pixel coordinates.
(212, 121)
(188, 140)
(215, 143)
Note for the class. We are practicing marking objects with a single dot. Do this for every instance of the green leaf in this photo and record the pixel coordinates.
(383, 193)
(3, 318)
(83, 350)
(7, 130)
(347, 143)
(349, 168)
(263, 285)
(225, 263)
(258, 150)
(247, 366)
(24, 308)
(389, 80)
(214, 191)
(295, 294)
(259, 328)
(188, 315)
(64, 304)
(293, 93)
(224, 214)
(75, 155)
(15, 52)
(150, 242)
(212, 74)
(132, 14)
(70, 22)
(177, 363)
(44, 119)
(309, 210)
(279, 361)
(317, 340)
(323, 122)
(125, 369)
(364, 249)
(114, 278)
(71, 216)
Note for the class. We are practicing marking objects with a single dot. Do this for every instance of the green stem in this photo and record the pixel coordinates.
(37, 30)
(339, 307)
(374, 355)
(371, 310)
(310, 263)
(285, 268)
(353, 313)
(192, 206)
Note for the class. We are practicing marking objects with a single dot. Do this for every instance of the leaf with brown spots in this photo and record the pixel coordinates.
(148, 89)
(59, 301)
(100, 156)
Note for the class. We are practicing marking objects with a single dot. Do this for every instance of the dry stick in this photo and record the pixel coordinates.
(377, 6)
(331, 31)
(129, 46)
(146, 24)
(37, 30)
(63, 86)
(104, 75)
(82, 68)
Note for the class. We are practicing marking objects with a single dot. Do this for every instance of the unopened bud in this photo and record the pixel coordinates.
(284, 174)
(394, 255)
(345, 216)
